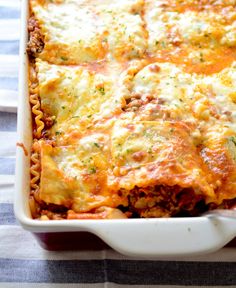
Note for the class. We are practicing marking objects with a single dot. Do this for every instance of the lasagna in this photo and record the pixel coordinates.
(133, 106)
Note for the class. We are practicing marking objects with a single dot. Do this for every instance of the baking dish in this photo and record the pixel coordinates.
(134, 237)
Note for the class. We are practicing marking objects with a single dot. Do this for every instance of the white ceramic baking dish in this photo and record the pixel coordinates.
(136, 237)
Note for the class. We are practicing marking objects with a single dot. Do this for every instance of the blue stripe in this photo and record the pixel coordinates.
(9, 47)
(7, 121)
(7, 216)
(10, 83)
(7, 166)
(118, 271)
(9, 13)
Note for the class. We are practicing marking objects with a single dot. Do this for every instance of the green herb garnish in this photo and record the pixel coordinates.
(92, 170)
(101, 90)
(64, 58)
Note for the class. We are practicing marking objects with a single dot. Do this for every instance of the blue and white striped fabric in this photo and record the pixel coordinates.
(24, 264)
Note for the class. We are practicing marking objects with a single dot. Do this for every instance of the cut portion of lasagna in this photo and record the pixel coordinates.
(74, 32)
(150, 157)
(134, 108)
(74, 99)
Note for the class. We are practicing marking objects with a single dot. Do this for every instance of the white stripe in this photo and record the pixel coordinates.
(8, 100)
(7, 188)
(10, 3)
(8, 144)
(10, 249)
(9, 29)
(53, 285)
(9, 65)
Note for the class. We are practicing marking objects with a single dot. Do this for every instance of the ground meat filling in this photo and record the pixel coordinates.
(137, 101)
(36, 39)
(164, 201)
(148, 202)
(148, 106)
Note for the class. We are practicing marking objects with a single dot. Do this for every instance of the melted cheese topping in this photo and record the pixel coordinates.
(209, 27)
(113, 29)
(149, 152)
(198, 35)
(166, 84)
(137, 94)
(75, 176)
(68, 38)
(77, 97)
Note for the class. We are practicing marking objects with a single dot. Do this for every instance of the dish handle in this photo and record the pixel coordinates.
(166, 237)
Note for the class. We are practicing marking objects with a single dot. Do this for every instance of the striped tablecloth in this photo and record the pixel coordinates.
(24, 264)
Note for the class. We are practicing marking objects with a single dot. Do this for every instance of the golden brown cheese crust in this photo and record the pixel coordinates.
(157, 153)
(134, 106)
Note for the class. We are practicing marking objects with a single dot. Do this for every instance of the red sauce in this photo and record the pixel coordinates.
(23, 147)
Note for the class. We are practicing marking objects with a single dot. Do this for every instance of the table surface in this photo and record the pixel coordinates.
(23, 263)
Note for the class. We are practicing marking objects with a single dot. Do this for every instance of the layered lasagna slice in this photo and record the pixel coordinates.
(158, 168)
(74, 178)
(76, 99)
